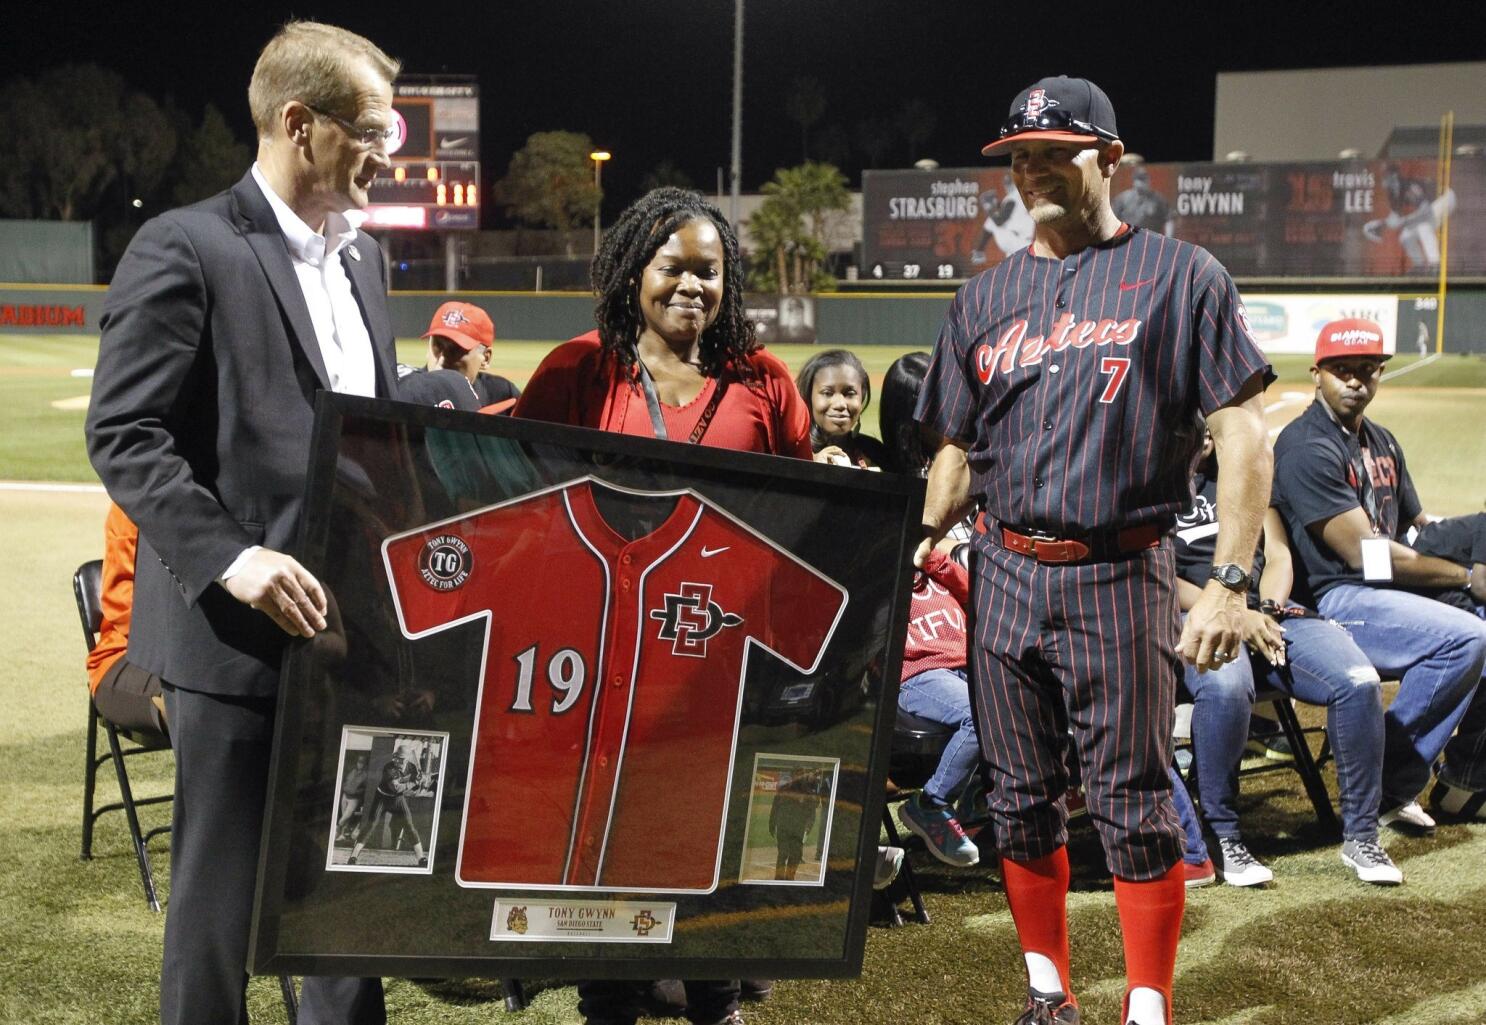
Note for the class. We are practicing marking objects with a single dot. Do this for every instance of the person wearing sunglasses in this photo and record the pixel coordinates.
(1344, 490)
(1069, 384)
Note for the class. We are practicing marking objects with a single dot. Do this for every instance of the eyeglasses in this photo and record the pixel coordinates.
(1052, 120)
(1362, 370)
(365, 136)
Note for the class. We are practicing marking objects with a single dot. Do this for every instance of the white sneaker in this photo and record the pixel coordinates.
(1371, 862)
(1408, 817)
(889, 861)
(1237, 866)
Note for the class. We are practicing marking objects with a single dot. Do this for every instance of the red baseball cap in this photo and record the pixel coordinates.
(1350, 336)
(465, 324)
(1060, 109)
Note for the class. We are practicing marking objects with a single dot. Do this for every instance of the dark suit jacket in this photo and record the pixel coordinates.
(200, 422)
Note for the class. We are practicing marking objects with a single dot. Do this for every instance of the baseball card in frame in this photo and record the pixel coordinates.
(589, 705)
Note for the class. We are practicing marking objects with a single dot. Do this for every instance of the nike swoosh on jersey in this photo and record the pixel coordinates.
(1126, 286)
(707, 553)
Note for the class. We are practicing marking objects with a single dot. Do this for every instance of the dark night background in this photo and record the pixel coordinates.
(651, 80)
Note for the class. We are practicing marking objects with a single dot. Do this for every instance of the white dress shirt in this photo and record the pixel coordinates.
(345, 344)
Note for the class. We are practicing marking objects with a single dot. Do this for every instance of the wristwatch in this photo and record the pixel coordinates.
(1232, 576)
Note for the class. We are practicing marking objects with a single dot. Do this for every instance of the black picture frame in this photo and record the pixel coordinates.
(381, 471)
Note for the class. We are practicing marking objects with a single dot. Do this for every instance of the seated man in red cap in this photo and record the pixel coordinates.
(460, 338)
(1345, 494)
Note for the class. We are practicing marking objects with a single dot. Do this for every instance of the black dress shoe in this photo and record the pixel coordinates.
(756, 989)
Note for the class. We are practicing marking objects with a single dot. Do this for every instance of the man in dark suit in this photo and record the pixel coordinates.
(223, 321)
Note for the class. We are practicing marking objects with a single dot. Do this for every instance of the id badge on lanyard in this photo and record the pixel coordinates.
(1377, 559)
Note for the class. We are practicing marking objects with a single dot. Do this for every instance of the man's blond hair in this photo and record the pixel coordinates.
(313, 63)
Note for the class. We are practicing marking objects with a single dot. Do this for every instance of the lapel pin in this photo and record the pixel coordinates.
(355, 253)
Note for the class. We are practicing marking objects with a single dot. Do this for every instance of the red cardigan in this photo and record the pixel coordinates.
(576, 385)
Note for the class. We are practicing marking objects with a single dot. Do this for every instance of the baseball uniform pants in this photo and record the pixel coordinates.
(1078, 660)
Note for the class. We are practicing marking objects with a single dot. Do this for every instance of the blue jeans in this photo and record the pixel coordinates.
(1437, 652)
(943, 695)
(1196, 850)
(1324, 667)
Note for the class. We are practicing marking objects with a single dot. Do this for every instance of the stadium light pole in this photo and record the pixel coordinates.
(598, 157)
(736, 168)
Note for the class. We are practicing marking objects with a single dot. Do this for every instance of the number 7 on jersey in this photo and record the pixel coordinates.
(1116, 367)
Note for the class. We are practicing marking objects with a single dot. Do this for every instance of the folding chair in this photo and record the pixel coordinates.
(917, 745)
(87, 588)
(122, 744)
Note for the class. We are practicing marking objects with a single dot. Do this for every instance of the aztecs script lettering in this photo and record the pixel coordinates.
(1015, 348)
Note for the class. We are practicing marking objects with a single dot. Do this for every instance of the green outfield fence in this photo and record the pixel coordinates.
(841, 318)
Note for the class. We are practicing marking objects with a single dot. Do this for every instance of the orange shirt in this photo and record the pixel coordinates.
(120, 539)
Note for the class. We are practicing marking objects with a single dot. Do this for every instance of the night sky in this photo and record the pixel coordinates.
(650, 80)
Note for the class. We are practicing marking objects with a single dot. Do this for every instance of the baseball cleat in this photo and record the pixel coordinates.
(1048, 1009)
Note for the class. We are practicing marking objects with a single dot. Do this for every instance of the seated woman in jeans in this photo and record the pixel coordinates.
(1305, 656)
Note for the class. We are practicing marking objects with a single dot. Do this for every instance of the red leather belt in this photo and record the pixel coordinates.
(1097, 546)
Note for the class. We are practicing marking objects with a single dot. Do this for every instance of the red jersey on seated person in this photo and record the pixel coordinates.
(936, 617)
(578, 384)
(613, 678)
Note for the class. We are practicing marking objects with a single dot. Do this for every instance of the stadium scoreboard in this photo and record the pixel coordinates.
(434, 182)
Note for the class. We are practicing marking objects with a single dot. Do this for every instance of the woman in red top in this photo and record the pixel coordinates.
(674, 356)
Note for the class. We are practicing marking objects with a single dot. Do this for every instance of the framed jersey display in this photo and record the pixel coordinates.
(588, 705)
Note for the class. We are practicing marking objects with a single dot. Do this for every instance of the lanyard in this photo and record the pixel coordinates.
(1364, 485)
(1361, 478)
(658, 423)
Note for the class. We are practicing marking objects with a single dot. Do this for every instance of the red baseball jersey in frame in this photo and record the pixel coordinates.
(612, 678)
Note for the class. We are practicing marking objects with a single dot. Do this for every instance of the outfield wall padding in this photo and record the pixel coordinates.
(45, 251)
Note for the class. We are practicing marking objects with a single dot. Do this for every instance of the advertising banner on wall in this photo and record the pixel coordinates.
(1290, 323)
(1343, 219)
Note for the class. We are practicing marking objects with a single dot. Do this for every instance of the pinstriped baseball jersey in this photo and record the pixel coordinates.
(1076, 383)
(612, 680)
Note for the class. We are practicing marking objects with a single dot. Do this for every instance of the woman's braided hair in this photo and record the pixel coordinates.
(628, 247)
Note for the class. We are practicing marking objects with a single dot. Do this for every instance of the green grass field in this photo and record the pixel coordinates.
(77, 944)
(44, 387)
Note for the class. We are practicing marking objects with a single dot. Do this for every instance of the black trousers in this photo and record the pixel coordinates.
(221, 776)
(123, 697)
(617, 1001)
